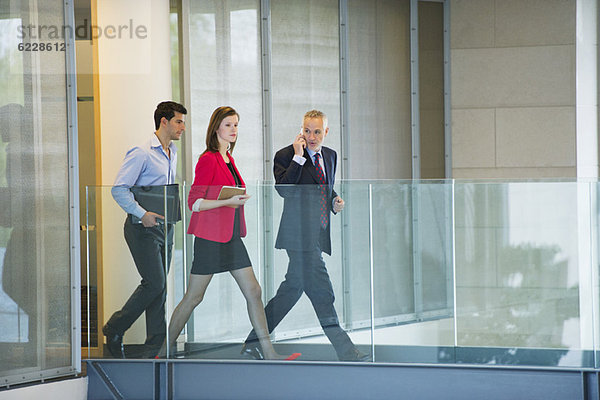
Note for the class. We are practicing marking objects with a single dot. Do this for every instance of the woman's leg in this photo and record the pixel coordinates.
(252, 292)
(193, 296)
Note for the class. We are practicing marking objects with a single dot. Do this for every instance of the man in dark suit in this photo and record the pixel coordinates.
(304, 176)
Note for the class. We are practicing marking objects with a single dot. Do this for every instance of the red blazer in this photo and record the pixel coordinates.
(211, 175)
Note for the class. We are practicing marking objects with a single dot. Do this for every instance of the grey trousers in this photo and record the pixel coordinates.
(152, 256)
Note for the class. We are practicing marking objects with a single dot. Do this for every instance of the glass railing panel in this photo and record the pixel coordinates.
(412, 261)
(521, 252)
(347, 268)
(593, 307)
(518, 273)
(301, 321)
(355, 249)
(349, 274)
(220, 323)
(178, 277)
(128, 293)
(91, 337)
(392, 243)
(435, 232)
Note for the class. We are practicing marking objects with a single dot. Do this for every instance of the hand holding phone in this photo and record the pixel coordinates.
(299, 144)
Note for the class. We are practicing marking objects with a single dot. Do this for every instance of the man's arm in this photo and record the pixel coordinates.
(337, 203)
(285, 169)
(288, 162)
(128, 175)
(126, 178)
(287, 172)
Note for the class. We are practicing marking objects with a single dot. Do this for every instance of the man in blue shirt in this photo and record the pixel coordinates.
(151, 164)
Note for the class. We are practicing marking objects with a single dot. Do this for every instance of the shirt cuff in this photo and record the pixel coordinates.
(196, 205)
(299, 159)
(139, 211)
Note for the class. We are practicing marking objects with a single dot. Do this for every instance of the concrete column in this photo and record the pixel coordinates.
(586, 111)
(587, 88)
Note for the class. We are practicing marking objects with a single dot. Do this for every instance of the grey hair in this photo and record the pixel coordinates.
(316, 114)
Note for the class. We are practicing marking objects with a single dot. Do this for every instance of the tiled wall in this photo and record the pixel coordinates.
(513, 80)
(513, 88)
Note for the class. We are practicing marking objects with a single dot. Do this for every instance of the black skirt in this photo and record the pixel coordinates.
(214, 257)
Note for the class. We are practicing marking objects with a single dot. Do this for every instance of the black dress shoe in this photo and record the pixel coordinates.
(252, 350)
(356, 356)
(114, 343)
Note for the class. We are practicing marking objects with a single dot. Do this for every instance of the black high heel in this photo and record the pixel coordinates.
(252, 350)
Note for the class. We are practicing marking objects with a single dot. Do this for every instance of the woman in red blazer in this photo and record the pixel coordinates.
(218, 226)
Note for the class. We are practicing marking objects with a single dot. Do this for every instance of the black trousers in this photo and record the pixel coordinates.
(152, 257)
(307, 274)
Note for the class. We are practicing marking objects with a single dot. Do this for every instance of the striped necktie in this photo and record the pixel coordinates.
(323, 195)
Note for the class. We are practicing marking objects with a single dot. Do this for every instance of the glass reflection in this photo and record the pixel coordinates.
(518, 270)
(19, 275)
(18, 297)
(35, 301)
(225, 69)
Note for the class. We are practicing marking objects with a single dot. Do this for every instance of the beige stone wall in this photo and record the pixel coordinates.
(519, 96)
(135, 75)
(513, 88)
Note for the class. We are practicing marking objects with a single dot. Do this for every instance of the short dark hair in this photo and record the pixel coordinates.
(167, 109)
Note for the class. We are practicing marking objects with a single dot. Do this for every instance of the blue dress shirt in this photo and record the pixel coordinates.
(145, 165)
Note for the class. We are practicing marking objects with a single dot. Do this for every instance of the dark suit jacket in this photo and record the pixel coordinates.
(300, 227)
